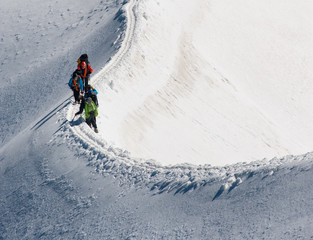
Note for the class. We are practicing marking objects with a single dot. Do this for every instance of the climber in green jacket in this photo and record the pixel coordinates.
(91, 112)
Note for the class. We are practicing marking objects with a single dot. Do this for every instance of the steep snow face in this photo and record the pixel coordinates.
(60, 180)
(213, 82)
(40, 42)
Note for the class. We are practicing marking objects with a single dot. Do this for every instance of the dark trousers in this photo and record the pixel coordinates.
(76, 95)
(91, 120)
(86, 80)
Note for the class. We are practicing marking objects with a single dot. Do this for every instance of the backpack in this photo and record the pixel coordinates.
(93, 97)
(83, 58)
(75, 83)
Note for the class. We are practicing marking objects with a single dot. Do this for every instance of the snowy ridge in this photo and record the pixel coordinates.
(181, 178)
(122, 43)
(125, 16)
(106, 159)
(199, 65)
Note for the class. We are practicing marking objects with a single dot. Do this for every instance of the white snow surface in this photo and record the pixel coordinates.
(204, 118)
(216, 86)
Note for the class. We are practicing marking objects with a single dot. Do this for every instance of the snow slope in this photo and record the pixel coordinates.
(40, 42)
(156, 75)
(216, 86)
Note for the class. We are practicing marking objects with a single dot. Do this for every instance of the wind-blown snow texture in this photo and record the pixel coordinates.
(193, 95)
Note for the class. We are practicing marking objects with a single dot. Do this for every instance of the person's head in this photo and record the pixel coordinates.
(88, 100)
(74, 75)
(83, 65)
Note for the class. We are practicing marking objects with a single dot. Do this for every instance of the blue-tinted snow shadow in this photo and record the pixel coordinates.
(177, 186)
(72, 123)
(51, 114)
(76, 122)
(219, 192)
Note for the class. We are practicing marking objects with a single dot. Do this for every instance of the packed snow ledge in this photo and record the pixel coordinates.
(183, 97)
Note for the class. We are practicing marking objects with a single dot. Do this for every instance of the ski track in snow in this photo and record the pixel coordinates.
(180, 178)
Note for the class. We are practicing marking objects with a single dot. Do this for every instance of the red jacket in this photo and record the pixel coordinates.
(84, 72)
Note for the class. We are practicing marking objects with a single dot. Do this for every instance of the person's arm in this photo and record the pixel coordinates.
(90, 70)
(86, 112)
(96, 109)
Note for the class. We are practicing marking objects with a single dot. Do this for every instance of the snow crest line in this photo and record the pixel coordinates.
(117, 162)
(127, 10)
(130, 23)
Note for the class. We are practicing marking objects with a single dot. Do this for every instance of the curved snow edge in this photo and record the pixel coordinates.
(180, 178)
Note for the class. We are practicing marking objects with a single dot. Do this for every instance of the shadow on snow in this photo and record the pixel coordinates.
(51, 114)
